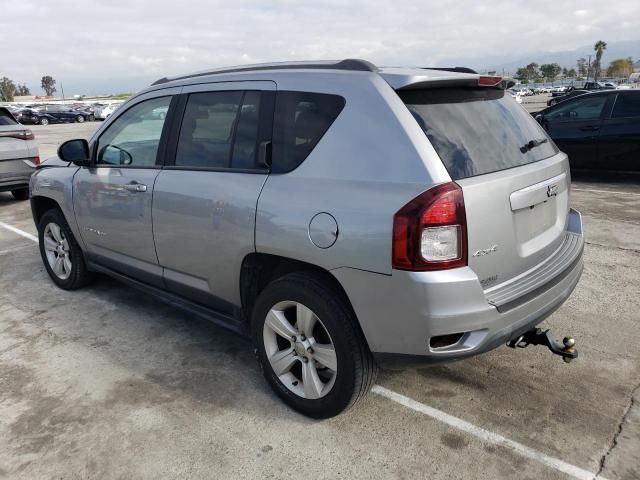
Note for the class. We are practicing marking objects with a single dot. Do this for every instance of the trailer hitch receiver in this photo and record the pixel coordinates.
(538, 336)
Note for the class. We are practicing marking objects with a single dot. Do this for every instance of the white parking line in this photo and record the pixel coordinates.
(455, 422)
(487, 436)
(22, 233)
(615, 192)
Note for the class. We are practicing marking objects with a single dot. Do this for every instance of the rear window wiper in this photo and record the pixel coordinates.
(532, 144)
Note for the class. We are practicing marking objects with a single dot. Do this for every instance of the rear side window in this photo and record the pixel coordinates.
(626, 106)
(6, 118)
(300, 121)
(477, 130)
(220, 130)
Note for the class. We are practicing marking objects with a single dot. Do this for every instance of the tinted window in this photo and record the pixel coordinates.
(219, 130)
(587, 108)
(626, 106)
(300, 121)
(476, 131)
(133, 138)
(6, 118)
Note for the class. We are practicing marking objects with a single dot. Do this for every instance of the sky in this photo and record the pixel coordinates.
(110, 46)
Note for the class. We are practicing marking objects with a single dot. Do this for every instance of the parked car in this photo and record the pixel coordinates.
(598, 131)
(18, 156)
(106, 111)
(515, 96)
(46, 114)
(438, 231)
(566, 96)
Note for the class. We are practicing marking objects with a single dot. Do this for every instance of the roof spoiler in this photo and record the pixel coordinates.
(452, 69)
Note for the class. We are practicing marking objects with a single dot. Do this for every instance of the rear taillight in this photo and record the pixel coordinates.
(430, 232)
(36, 160)
(19, 134)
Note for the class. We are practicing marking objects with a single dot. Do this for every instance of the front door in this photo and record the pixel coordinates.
(112, 198)
(575, 126)
(205, 198)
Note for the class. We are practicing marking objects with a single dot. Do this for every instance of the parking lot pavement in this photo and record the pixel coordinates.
(107, 382)
(49, 137)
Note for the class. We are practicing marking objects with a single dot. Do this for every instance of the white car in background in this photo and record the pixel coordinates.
(18, 156)
(515, 95)
(107, 110)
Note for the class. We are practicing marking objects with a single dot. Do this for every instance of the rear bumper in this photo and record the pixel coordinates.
(400, 313)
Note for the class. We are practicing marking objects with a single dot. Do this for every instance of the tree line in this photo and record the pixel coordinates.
(620, 67)
(9, 89)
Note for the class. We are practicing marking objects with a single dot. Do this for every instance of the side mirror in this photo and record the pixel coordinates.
(539, 117)
(75, 151)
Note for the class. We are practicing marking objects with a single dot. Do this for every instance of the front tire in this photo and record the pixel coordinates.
(60, 252)
(80, 119)
(309, 346)
(20, 194)
(44, 121)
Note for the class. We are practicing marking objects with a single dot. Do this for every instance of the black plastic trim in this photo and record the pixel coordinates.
(223, 320)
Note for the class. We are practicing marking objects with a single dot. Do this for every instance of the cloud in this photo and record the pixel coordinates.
(97, 46)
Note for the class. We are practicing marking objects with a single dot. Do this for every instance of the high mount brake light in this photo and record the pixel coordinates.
(430, 232)
(485, 81)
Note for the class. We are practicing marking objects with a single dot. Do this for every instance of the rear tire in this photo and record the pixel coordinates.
(328, 367)
(61, 254)
(20, 194)
(44, 121)
(80, 119)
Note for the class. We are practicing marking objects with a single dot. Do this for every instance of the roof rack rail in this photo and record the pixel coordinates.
(452, 69)
(352, 64)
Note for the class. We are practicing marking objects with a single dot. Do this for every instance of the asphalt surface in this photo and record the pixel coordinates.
(107, 382)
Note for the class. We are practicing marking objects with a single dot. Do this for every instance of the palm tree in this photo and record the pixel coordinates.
(599, 47)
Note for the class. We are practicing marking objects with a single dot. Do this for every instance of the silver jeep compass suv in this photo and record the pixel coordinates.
(344, 215)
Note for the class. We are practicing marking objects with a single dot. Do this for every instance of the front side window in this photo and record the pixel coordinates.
(589, 108)
(220, 130)
(626, 106)
(133, 138)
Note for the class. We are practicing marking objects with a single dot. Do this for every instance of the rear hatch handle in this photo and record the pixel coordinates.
(538, 193)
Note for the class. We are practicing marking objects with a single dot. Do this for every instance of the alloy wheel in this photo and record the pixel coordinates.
(300, 350)
(56, 248)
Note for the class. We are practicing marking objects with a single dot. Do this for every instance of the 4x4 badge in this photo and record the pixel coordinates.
(552, 190)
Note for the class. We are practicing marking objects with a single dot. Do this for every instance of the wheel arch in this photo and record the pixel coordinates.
(40, 204)
(260, 269)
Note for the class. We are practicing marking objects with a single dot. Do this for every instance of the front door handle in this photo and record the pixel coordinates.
(135, 187)
(590, 128)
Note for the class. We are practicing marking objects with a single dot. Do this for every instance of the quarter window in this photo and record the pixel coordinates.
(133, 138)
(626, 106)
(220, 130)
(301, 119)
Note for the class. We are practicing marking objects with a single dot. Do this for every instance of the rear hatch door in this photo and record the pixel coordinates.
(514, 179)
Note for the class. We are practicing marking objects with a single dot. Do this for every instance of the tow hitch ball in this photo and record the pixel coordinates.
(538, 336)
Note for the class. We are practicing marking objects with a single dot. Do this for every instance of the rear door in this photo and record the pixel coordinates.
(112, 198)
(575, 127)
(620, 135)
(515, 181)
(205, 198)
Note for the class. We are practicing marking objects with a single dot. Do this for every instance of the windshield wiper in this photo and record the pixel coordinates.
(532, 144)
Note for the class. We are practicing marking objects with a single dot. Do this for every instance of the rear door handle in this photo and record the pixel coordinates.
(135, 187)
(590, 128)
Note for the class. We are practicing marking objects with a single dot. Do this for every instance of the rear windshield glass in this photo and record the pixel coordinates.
(477, 131)
(6, 118)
